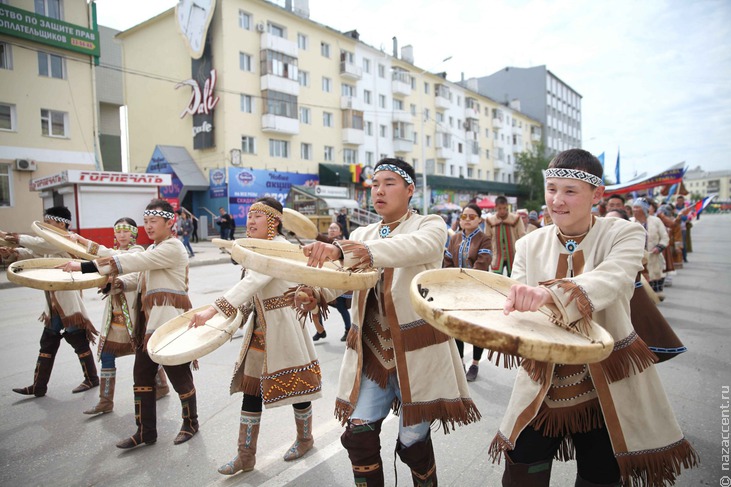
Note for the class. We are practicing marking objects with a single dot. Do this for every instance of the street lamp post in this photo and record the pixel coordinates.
(423, 142)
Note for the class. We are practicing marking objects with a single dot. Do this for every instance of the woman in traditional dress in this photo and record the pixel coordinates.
(277, 365)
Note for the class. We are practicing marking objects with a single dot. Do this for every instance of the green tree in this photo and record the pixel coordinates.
(529, 171)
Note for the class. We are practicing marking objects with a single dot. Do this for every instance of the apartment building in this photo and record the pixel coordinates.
(541, 95)
(47, 103)
(700, 183)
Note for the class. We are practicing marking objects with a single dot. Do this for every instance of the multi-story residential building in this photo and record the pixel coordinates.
(702, 183)
(288, 95)
(47, 111)
(541, 95)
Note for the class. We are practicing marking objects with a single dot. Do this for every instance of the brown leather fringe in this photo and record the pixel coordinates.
(421, 336)
(509, 361)
(179, 301)
(630, 356)
(343, 410)
(352, 340)
(578, 418)
(78, 320)
(537, 371)
(498, 447)
(374, 370)
(359, 251)
(575, 292)
(251, 385)
(657, 467)
(458, 411)
(117, 349)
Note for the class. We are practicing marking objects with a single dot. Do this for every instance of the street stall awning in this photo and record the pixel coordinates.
(474, 186)
(319, 199)
(338, 203)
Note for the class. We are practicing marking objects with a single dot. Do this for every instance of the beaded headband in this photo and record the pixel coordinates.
(266, 209)
(121, 227)
(397, 170)
(57, 219)
(165, 214)
(561, 172)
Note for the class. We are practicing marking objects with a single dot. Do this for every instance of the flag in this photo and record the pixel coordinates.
(701, 205)
(601, 159)
(616, 169)
(671, 191)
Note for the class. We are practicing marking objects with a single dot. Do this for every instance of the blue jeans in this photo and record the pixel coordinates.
(108, 360)
(374, 404)
(186, 243)
(57, 325)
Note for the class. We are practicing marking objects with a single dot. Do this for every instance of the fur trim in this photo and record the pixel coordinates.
(446, 412)
(656, 467)
(343, 410)
(630, 356)
(165, 298)
(538, 371)
(578, 418)
(420, 334)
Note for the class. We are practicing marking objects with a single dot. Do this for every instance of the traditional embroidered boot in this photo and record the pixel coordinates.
(161, 384)
(304, 441)
(80, 344)
(50, 341)
(190, 418)
(106, 392)
(145, 417)
(420, 459)
(536, 474)
(363, 443)
(248, 435)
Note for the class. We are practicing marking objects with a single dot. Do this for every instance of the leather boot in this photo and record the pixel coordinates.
(363, 443)
(80, 344)
(50, 341)
(304, 441)
(190, 418)
(248, 435)
(536, 474)
(106, 392)
(145, 417)
(420, 459)
(161, 384)
(585, 483)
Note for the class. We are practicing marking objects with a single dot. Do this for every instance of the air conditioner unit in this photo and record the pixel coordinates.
(25, 165)
(261, 27)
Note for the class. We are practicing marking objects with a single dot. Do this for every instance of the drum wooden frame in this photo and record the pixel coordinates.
(467, 304)
(59, 239)
(42, 274)
(283, 260)
(173, 343)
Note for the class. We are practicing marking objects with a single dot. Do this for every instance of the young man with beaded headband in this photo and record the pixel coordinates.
(393, 358)
(159, 276)
(117, 334)
(612, 416)
(65, 315)
(277, 365)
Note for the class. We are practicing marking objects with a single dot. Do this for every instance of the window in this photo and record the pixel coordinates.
(402, 130)
(369, 158)
(383, 130)
(279, 148)
(245, 62)
(366, 65)
(7, 117)
(53, 123)
(325, 49)
(369, 128)
(426, 88)
(302, 41)
(5, 190)
(279, 64)
(327, 84)
(49, 8)
(413, 82)
(416, 137)
(353, 119)
(367, 97)
(6, 56)
(247, 104)
(281, 104)
(428, 140)
(327, 119)
(348, 90)
(50, 65)
(304, 78)
(350, 156)
(397, 104)
(329, 151)
(487, 153)
(412, 107)
(426, 114)
(382, 101)
(276, 30)
(306, 151)
(381, 71)
(248, 144)
(305, 115)
(440, 117)
(245, 20)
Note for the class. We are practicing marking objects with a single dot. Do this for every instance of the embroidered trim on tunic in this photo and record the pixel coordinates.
(286, 383)
(225, 307)
(275, 303)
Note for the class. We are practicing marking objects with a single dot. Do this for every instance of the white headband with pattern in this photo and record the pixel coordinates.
(562, 172)
(57, 219)
(397, 170)
(165, 214)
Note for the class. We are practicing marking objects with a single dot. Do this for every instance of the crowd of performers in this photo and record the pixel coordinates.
(612, 417)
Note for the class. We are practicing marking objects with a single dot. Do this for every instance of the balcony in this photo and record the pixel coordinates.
(350, 71)
(473, 159)
(353, 136)
(472, 152)
(277, 124)
(270, 82)
(497, 122)
(442, 102)
(402, 116)
(402, 145)
(279, 44)
(401, 83)
(498, 165)
(471, 113)
(535, 136)
(351, 103)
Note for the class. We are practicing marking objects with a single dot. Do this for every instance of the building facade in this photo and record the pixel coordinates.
(700, 183)
(47, 110)
(541, 95)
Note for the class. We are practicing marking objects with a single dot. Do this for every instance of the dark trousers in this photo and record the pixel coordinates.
(341, 304)
(476, 351)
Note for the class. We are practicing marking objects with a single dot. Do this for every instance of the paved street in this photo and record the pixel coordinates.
(48, 441)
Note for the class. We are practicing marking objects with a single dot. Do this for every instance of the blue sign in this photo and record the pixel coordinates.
(159, 165)
(247, 185)
(217, 183)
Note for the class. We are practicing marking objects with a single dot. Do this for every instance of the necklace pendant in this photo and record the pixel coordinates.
(571, 245)
(385, 231)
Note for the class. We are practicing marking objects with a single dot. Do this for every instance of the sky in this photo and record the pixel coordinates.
(655, 75)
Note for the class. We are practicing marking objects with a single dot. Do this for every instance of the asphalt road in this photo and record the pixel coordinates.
(48, 441)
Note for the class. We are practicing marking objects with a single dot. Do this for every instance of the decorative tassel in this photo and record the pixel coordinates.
(575, 292)
(500, 444)
(343, 410)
